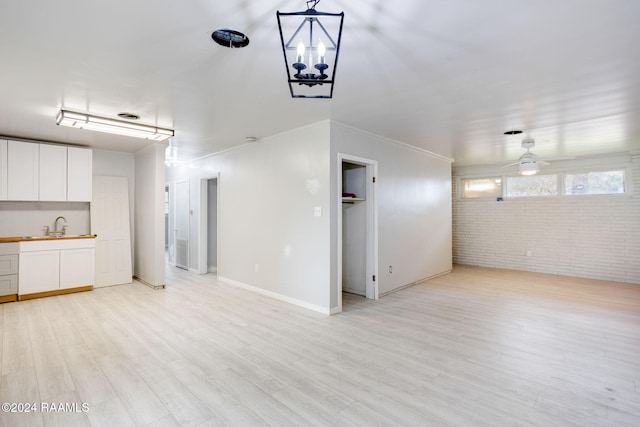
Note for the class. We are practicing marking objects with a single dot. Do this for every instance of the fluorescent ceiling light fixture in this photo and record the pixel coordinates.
(105, 124)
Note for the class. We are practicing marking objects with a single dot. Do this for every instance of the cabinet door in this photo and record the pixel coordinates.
(53, 173)
(80, 174)
(22, 178)
(8, 285)
(8, 264)
(3, 169)
(39, 272)
(77, 268)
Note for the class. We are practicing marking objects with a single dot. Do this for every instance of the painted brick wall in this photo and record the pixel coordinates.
(594, 237)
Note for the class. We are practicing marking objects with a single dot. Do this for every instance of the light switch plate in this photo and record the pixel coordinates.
(317, 211)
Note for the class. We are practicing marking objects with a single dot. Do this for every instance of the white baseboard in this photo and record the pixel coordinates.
(277, 296)
(335, 310)
(213, 269)
(417, 282)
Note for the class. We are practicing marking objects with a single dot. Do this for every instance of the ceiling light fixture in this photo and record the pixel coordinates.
(310, 47)
(528, 167)
(109, 125)
(528, 163)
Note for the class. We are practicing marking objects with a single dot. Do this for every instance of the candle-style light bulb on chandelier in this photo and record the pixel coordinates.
(310, 44)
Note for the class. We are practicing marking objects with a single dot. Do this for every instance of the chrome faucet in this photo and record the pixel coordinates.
(57, 232)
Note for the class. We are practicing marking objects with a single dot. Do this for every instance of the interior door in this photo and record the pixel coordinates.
(110, 221)
(181, 228)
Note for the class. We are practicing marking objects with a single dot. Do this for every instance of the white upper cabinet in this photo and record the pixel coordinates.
(80, 174)
(3, 169)
(53, 173)
(45, 172)
(23, 170)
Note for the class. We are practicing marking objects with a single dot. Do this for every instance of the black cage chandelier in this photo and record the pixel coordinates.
(310, 43)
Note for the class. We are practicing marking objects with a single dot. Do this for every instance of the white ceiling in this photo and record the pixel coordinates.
(449, 76)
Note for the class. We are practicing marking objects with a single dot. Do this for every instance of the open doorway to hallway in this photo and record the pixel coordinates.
(212, 225)
(192, 222)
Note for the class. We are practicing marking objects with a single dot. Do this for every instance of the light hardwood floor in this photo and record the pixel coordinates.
(477, 347)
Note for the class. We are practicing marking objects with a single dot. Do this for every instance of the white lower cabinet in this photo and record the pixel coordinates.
(53, 265)
(39, 271)
(77, 267)
(8, 269)
(8, 285)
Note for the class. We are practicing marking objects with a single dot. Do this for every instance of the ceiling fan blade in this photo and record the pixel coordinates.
(543, 163)
(553, 159)
(511, 164)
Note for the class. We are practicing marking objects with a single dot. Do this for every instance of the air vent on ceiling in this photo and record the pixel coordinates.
(230, 38)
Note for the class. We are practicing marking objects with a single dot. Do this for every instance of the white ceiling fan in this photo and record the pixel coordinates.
(528, 163)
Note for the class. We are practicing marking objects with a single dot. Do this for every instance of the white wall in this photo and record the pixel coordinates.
(29, 218)
(414, 208)
(267, 194)
(149, 262)
(595, 237)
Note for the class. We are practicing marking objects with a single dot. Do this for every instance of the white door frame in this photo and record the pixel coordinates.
(175, 222)
(372, 290)
(203, 231)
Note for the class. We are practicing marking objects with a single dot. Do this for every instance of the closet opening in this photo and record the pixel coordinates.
(357, 228)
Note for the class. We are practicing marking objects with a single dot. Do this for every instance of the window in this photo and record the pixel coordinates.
(481, 187)
(532, 186)
(609, 182)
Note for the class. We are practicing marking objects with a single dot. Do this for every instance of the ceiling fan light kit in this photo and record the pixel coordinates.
(310, 45)
(528, 163)
(530, 168)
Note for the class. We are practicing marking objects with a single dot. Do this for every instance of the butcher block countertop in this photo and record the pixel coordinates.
(40, 238)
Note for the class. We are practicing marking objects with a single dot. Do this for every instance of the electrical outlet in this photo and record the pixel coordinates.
(390, 269)
(257, 267)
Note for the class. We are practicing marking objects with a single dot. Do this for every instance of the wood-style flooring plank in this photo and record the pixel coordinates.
(20, 387)
(142, 404)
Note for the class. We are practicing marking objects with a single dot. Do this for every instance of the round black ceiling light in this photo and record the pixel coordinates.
(513, 132)
(230, 38)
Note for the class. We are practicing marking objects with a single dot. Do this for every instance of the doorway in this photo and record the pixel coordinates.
(357, 227)
(206, 226)
(212, 225)
(181, 224)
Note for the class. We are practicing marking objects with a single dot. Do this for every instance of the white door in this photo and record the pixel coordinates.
(181, 228)
(110, 222)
